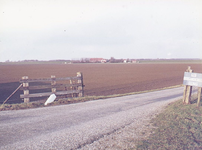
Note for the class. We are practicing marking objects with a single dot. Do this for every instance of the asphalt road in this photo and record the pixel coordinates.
(76, 125)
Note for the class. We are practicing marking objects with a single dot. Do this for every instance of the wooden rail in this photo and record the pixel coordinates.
(75, 87)
(13, 93)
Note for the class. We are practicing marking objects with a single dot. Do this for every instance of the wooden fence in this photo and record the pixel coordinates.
(57, 86)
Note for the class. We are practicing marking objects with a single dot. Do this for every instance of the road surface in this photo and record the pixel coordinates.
(80, 125)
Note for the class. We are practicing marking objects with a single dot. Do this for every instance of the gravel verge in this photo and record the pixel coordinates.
(127, 136)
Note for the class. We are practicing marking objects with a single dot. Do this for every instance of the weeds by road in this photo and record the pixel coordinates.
(178, 127)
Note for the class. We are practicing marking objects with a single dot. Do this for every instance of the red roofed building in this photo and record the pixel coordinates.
(97, 60)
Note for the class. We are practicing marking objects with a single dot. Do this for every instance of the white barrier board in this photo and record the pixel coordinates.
(51, 99)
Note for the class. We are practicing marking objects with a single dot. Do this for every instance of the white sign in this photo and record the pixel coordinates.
(192, 79)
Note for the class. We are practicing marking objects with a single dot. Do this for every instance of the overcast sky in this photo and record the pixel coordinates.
(67, 29)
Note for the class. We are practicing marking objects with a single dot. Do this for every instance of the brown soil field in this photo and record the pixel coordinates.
(99, 79)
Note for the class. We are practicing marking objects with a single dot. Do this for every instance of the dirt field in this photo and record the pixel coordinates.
(99, 79)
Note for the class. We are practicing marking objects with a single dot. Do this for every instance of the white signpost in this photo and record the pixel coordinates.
(192, 79)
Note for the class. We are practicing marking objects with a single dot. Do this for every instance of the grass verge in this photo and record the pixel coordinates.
(178, 127)
(70, 101)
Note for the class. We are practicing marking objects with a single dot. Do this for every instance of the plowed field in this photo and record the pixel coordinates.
(99, 79)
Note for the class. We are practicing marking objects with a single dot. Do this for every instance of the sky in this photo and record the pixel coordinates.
(71, 29)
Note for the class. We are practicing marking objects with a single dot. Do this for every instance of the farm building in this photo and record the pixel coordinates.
(98, 60)
(134, 61)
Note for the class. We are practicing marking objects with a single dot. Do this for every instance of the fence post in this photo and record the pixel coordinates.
(199, 96)
(187, 90)
(25, 85)
(80, 81)
(72, 87)
(53, 83)
(184, 93)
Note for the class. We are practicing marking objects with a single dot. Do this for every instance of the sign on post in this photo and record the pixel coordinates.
(192, 79)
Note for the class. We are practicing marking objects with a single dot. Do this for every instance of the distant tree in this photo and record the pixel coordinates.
(112, 60)
(82, 60)
(87, 60)
(128, 60)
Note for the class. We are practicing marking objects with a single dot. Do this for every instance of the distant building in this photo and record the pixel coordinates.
(103, 61)
(135, 61)
(98, 60)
